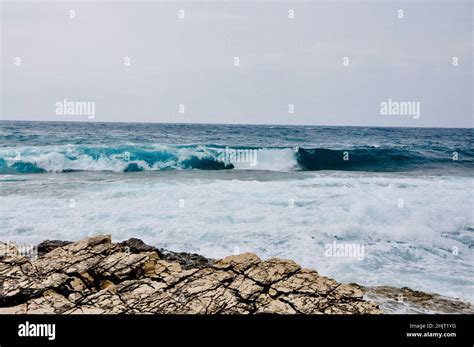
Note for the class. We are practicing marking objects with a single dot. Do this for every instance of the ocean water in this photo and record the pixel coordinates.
(403, 196)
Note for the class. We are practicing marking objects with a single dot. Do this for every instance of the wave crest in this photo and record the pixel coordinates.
(133, 158)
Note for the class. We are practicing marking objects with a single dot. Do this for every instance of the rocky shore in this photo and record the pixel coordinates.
(95, 275)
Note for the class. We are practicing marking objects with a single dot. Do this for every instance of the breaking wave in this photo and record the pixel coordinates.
(134, 158)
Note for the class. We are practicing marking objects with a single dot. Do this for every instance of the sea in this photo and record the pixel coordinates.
(375, 206)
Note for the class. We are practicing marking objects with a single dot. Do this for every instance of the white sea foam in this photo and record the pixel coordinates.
(424, 245)
(68, 157)
(282, 160)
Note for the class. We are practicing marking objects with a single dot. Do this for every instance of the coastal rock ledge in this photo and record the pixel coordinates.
(95, 275)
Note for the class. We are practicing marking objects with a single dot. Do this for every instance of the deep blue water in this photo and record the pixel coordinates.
(36, 147)
(284, 191)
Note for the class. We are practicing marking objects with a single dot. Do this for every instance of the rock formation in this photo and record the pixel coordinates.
(95, 275)
(406, 300)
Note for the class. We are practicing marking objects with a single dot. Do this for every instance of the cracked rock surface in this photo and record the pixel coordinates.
(95, 275)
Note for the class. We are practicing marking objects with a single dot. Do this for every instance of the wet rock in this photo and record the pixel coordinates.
(95, 275)
(186, 260)
(406, 300)
(134, 245)
(49, 245)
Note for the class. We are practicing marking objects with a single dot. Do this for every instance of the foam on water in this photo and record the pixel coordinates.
(409, 246)
(61, 180)
(155, 157)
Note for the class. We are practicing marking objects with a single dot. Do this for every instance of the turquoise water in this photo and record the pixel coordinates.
(272, 190)
(36, 147)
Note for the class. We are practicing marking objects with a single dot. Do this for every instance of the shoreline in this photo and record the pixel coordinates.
(94, 275)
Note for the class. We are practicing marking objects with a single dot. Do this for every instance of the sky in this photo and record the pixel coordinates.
(334, 63)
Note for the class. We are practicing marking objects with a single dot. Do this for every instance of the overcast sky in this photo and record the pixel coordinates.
(283, 61)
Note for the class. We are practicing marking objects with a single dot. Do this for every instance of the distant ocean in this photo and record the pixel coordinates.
(406, 195)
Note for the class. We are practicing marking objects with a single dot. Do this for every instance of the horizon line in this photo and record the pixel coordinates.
(238, 124)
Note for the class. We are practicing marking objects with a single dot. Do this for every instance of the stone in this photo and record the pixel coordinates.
(95, 275)
(409, 301)
(49, 245)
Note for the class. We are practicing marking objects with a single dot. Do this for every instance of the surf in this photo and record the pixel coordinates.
(135, 158)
